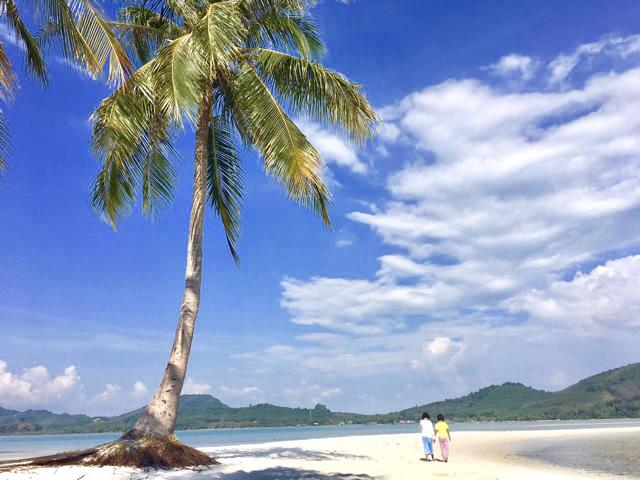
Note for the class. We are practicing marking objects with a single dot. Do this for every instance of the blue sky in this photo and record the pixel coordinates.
(488, 234)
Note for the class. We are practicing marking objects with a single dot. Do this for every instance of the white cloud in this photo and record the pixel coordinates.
(389, 132)
(190, 387)
(35, 387)
(310, 394)
(140, 390)
(562, 66)
(335, 150)
(524, 185)
(438, 346)
(241, 392)
(605, 298)
(359, 306)
(520, 189)
(344, 238)
(514, 64)
(343, 242)
(111, 392)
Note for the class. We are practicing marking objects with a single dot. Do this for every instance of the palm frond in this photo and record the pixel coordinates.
(103, 43)
(290, 32)
(183, 66)
(4, 143)
(7, 76)
(188, 10)
(145, 30)
(86, 38)
(253, 10)
(178, 71)
(132, 137)
(220, 32)
(288, 155)
(314, 90)
(225, 180)
(34, 61)
(158, 175)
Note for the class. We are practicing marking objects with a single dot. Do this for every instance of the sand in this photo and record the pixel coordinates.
(473, 455)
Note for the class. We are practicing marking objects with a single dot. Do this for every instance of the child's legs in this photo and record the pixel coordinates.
(444, 448)
(428, 446)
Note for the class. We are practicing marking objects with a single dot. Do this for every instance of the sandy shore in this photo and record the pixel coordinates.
(474, 455)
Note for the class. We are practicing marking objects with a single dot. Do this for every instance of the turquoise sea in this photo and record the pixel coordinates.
(592, 453)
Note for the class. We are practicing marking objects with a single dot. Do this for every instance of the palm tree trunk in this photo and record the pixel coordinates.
(159, 417)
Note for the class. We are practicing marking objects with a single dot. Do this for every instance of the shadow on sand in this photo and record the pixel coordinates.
(287, 453)
(283, 473)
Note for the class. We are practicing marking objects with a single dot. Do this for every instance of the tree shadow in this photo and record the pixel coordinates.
(275, 473)
(282, 473)
(210, 473)
(288, 453)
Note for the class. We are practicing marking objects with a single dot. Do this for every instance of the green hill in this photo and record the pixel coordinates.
(611, 394)
(196, 412)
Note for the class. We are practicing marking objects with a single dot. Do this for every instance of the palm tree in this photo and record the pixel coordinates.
(85, 38)
(234, 69)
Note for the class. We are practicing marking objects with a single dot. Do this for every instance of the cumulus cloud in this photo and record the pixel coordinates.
(335, 149)
(513, 64)
(111, 392)
(602, 299)
(191, 387)
(35, 386)
(359, 306)
(438, 346)
(239, 392)
(310, 394)
(140, 390)
(520, 190)
(525, 185)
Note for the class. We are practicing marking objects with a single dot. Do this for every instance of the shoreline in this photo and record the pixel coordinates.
(551, 423)
(475, 455)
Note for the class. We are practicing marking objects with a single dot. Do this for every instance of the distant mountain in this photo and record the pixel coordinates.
(611, 394)
(196, 412)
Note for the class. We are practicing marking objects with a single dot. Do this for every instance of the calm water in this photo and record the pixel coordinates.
(593, 453)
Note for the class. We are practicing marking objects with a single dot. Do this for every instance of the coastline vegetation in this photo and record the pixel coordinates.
(611, 394)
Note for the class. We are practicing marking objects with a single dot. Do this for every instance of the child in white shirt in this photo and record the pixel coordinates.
(428, 436)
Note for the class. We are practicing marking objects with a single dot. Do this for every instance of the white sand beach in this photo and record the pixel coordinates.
(474, 456)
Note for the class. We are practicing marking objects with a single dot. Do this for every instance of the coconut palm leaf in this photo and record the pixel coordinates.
(7, 77)
(288, 156)
(86, 37)
(4, 143)
(145, 30)
(34, 61)
(131, 135)
(178, 71)
(292, 32)
(102, 43)
(186, 63)
(318, 92)
(221, 31)
(225, 183)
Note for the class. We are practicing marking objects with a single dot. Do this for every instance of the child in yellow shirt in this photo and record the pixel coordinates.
(442, 432)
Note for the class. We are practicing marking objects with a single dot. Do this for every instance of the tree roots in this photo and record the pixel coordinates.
(145, 452)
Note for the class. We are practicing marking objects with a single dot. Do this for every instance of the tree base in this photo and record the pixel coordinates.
(144, 452)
